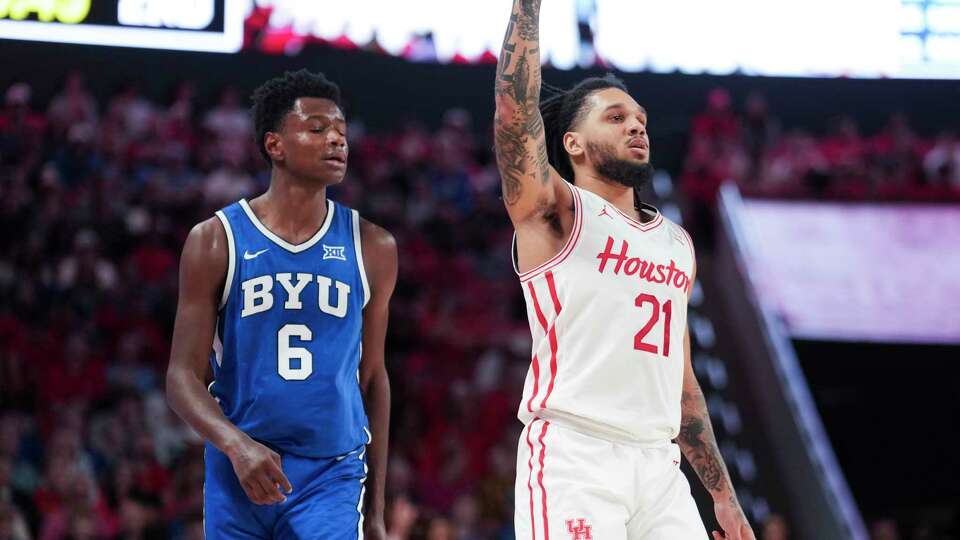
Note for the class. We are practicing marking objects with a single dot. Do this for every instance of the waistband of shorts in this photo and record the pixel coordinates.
(609, 435)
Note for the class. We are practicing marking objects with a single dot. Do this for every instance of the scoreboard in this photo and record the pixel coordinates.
(191, 25)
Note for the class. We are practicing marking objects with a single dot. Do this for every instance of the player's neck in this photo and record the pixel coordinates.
(290, 209)
(614, 193)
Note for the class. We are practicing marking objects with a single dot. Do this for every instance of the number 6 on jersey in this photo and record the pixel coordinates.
(286, 353)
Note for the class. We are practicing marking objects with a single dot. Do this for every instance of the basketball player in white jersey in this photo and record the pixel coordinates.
(606, 280)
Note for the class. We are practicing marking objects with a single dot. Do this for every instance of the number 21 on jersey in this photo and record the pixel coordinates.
(638, 340)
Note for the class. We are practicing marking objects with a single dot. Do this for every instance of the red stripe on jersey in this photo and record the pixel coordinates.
(536, 306)
(543, 490)
(554, 345)
(536, 382)
(533, 524)
(536, 361)
(553, 292)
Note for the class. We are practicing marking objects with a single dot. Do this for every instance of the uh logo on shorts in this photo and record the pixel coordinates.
(581, 531)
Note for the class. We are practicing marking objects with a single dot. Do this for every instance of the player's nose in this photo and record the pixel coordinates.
(337, 140)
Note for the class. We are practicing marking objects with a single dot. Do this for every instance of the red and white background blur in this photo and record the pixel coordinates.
(858, 272)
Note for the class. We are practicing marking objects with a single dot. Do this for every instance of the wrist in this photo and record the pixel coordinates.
(231, 443)
(724, 496)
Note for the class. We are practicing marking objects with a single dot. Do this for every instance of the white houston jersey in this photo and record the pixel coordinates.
(608, 315)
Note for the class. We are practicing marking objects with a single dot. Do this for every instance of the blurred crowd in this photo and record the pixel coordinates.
(751, 147)
(96, 198)
(97, 195)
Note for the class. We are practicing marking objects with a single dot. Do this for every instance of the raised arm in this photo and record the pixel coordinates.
(530, 184)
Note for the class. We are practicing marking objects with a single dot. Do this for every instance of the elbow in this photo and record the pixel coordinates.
(377, 383)
(173, 384)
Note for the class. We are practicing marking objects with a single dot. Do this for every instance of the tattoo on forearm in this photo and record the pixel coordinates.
(530, 8)
(528, 28)
(529, 15)
(521, 80)
(506, 55)
(517, 88)
(699, 444)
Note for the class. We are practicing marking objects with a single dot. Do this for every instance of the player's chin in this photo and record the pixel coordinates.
(329, 178)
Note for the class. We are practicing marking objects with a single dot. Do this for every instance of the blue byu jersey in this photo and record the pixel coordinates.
(286, 353)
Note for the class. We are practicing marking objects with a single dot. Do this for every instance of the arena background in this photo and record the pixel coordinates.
(824, 326)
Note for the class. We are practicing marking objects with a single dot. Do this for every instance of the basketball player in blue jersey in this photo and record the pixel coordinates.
(290, 291)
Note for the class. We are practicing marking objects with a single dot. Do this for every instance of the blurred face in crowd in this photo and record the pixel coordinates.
(611, 138)
(775, 528)
(440, 529)
(83, 527)
(134, 517)
(311, 143)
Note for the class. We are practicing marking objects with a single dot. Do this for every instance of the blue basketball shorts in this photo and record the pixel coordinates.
(326, 501)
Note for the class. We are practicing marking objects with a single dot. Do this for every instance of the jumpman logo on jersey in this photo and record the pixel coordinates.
(581, 531)
(604, 212)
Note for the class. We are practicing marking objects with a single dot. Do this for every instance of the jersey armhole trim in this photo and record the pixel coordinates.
(358, 246)
(231, 258)
(564, 252)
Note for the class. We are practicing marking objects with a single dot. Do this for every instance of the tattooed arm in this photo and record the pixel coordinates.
(531, 187)
(699, 446)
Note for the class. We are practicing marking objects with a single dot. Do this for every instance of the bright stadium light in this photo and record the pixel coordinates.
(815, 38)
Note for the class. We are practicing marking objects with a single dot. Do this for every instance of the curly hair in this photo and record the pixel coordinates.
(273, 99)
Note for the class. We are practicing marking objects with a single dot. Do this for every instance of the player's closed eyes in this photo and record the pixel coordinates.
(341, 132)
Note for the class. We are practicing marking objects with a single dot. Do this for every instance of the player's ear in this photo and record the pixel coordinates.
(273, 146)
(573, 143)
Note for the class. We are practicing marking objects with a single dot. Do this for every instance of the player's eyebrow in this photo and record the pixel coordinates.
(335, 118)
(623, 106)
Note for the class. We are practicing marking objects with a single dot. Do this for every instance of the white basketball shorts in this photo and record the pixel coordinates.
(574, 486)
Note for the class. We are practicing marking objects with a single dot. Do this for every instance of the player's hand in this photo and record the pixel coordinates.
(260, 472)
(732, 521)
